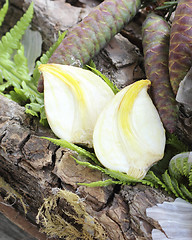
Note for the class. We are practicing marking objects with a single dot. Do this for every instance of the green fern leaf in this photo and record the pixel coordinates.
(3, 11)
(31, 92)
(15, 71)
(90, 165)
(3, 86)
(190, 177)
(6, 69)
(148, 183)
(18, 95)
(21, 66)
(177, 188)
(186, 192)
(100, 183)
(187, 168)
(167, 180)
(174, 141)
(73, 147)
(1, 80)
(10, 41)
(176, 166)
(107, 80)
(122, 177)
(13, 64)
(153, 180)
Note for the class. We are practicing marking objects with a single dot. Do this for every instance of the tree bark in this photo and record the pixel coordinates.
(36, 169)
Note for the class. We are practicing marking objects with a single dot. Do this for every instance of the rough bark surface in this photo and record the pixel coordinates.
(34, 167)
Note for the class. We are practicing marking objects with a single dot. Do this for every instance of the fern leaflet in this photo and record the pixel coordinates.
(167, 180)
(13, 63)
(154, 180)
(3, 11)
(73, 147)
(100, 183)
(175, 142)
(186, 192)
(190, 178)
(10, 41)
(176, 167)
(107, 80)
(123, 178)
(177, 188)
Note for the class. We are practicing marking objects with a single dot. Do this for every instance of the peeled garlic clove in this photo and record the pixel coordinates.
(73, 99)
(129, 136)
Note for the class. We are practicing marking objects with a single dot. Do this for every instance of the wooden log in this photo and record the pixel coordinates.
(35, 171)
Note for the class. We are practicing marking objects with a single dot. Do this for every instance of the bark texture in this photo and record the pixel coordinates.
(35, 168)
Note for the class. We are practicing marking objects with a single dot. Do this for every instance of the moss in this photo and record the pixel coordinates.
(11, 193)
(76, 225)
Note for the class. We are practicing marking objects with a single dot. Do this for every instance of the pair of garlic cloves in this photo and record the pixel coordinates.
(125, 129)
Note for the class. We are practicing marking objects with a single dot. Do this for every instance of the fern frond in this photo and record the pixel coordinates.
(175, 142)
(154, 180)
(148, 183)
(33, 109)
(177, 188)
(21, 66)
(186, 192)
(18, 96)
(15, 71)
(14, 68)
(176, 166)
(100, 183)
(107, 80)
(168, 182)
(4, 85)
(10, 41)
(1, 79)
(73, 147)
(187, 167)
(3, 11)
(90, 165)
(122, 177)
(190, 178)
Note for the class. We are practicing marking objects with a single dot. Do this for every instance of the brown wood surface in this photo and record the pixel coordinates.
(34, 167)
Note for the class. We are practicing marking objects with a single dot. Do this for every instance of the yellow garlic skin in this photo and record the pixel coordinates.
(129, 136)
(73, 98)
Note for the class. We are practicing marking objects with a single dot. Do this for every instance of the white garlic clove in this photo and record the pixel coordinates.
(129, 136)
(73, 99)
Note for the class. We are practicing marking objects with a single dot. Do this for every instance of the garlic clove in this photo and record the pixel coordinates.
(129, 136)
(73, 98)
